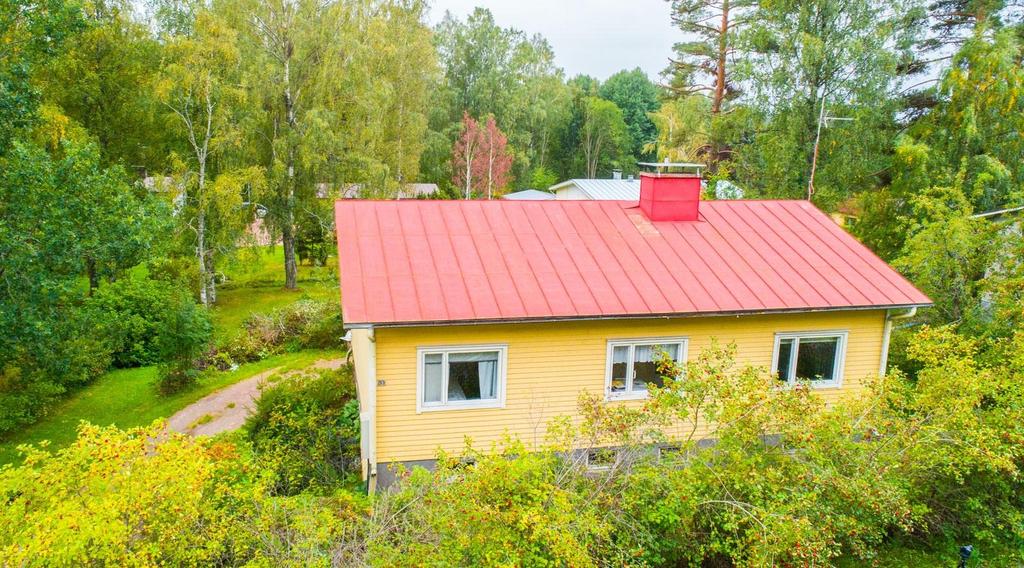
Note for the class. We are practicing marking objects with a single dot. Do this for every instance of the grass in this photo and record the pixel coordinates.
(128, 398)
(254, 286)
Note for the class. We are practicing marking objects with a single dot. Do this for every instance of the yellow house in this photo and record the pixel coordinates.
(481, 318)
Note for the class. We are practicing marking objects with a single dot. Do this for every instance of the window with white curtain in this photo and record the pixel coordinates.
(815, 357)
(461, 377)
(632, 365)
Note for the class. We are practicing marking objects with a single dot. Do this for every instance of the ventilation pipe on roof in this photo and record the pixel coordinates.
(616, 174)
(670, 196)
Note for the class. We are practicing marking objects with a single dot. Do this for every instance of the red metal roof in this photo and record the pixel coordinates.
(415, 262)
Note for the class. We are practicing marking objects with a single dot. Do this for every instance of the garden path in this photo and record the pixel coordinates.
(227, 409)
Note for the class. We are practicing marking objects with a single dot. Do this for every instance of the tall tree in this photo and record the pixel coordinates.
(294, 53)
(966, 149)
(31, 32)
(465, 155)
(103, 79)
(604, 136)
(843, 54)
(481, 158)
(493, 70)
(385, 95)
(637, 97)
(497, 158)
(199, 86)
(713, 29)
(62, 215)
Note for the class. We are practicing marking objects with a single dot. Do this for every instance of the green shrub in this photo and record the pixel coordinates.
(305, 324)
(182, 272)
(304, 430)
(31, 379)
(185, 334)
(142, 497)
(130, 315)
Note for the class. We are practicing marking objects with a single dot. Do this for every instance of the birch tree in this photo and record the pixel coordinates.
(465, 155)
(295, 55)
(604, 135)
(199, 86)
(481, 158)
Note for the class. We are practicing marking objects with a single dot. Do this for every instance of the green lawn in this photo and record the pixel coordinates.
(128, 397)
(254, 285)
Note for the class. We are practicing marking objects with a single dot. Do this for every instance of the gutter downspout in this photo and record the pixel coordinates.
(890, 317)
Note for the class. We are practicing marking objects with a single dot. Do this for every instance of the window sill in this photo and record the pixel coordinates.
(814, 386)
(479, 406)
(614, 397)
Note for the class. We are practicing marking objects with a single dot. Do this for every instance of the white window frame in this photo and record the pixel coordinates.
(840, 362)
(629, 393)
(445, 350)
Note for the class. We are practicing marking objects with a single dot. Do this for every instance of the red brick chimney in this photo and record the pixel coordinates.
(670, 196)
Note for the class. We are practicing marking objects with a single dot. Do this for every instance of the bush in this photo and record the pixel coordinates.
(181, 272)
(130, 315)
(137, 497)
(30, 379)
(305, 431)
(185, 334)
(305, 324)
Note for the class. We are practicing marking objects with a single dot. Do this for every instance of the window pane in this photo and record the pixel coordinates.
(645, 366)
(432, 379)
(620, 364)
(785, 357)
(473, 376)
(816, 358)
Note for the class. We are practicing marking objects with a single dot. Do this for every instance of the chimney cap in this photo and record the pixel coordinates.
(666, 166)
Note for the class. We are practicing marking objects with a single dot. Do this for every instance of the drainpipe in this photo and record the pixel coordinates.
(363, 343)
(890, 317)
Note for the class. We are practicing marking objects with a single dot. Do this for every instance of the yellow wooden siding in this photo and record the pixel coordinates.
(549, 364)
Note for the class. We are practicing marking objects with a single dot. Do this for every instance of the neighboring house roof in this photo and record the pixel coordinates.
(529, 195)
(428, 262)
(605, 189)
(414, 190)
(408, 191)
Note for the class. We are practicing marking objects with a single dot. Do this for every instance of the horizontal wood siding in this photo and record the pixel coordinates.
(550, 364)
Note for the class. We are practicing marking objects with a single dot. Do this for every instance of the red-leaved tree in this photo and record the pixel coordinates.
(481, 158)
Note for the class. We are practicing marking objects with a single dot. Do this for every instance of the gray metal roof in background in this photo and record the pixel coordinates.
(529, 195)
(605, 189)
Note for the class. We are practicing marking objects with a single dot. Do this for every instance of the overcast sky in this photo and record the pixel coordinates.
(595, 37)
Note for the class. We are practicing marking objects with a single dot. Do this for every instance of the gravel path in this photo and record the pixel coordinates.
(228, 408)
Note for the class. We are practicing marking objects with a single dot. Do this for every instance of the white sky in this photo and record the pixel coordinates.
(594, 37)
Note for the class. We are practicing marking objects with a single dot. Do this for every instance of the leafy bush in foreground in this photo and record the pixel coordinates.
(789, 480)
(304, 431)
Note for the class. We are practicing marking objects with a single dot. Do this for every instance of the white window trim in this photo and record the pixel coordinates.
(684, 343)
(840, 362)
(498, 402)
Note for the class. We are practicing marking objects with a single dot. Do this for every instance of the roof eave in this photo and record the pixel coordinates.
(552, 319)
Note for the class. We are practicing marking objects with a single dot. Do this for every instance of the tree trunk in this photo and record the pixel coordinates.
(94, 278)
(723, 46)
(288, 229)
(469, 170)
(212, 293)
(201, 253)
(490, 166)
(290, 266)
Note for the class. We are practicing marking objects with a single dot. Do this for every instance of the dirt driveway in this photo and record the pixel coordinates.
(227, 409)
